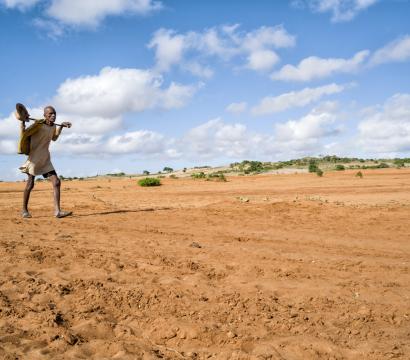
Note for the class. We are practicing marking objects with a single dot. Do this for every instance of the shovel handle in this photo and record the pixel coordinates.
(31, 119)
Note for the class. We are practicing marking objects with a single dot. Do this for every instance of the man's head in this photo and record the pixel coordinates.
(50, 115)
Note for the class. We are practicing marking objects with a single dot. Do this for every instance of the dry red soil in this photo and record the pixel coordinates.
(307, 268)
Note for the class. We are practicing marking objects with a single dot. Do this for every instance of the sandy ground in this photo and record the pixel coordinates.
(308, 268)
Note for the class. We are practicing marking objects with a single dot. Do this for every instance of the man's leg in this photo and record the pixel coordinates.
(26, 196)
(56, 187)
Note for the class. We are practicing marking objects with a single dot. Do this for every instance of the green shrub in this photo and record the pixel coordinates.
(359, 174)
(200, 175)
(117, 174)
(216, 177)
(339, 167)
(149, 182)
(145, 172)
(173, 176)
(168, 169)
(312, 166)
(383, 166)
(319, 172)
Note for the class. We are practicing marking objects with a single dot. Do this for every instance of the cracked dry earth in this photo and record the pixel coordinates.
(260, 267)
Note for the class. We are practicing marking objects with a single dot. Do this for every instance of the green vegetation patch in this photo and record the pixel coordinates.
(216, 177)
(149, 182)
(200, 175)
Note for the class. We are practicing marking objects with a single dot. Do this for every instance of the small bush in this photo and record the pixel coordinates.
(312, 166)
(200, 175)
(216, 177)
(149, 182)
(173, 176)
(339, 167)
(359, 174)
(383, 166)
(319, 172)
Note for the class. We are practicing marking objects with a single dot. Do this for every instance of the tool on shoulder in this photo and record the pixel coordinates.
(23, 115)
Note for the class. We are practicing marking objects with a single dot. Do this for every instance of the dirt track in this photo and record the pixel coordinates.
(309, 268)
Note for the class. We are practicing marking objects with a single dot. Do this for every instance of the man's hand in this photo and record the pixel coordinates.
(66, 124)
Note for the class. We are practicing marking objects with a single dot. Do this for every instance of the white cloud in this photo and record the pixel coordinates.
(92, 12)
(237, 108)
(307, 135)
(78, 143)
(387, 129)
(141, 142)
(316, 68)
(9, 127)
(262, 60)
(315, 125)
(189, 50)
(215, 139)
(169, 48)
(115, 91)
(265, 37)
(396, 51)
(272, 104)
(341, 10)
(8, 146)
(91, 125)
(58, 14)
(19, 4)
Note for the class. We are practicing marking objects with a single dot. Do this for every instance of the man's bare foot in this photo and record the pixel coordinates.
(62, 214)
(26, 215)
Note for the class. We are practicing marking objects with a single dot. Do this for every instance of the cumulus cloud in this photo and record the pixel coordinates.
(262, 60)
(9, 127)
(79, 143)
(387, 129)
(8, 146)
(272, 104)
(315, 125)
(307, 135)
(314, 67)
(216, 138)
(396, 51)
(59, 14)
(142, 142)
(169, 48)
(188, 50)
(19, 4)
(341, 10)
(237, 108)
(115, 91)
(92, 12)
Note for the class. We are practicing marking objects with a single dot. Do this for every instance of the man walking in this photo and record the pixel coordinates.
(39, 162)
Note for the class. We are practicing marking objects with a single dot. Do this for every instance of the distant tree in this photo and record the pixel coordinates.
(145, 172)
(312, 166)
(168, 169)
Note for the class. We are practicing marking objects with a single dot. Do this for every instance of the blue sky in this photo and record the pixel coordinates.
(178, 83)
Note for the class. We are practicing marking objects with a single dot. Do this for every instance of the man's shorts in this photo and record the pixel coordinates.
(50, 173)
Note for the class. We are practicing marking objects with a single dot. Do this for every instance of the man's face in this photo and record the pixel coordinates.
(50, 115)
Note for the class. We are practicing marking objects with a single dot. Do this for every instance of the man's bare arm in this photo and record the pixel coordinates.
(59, 129)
